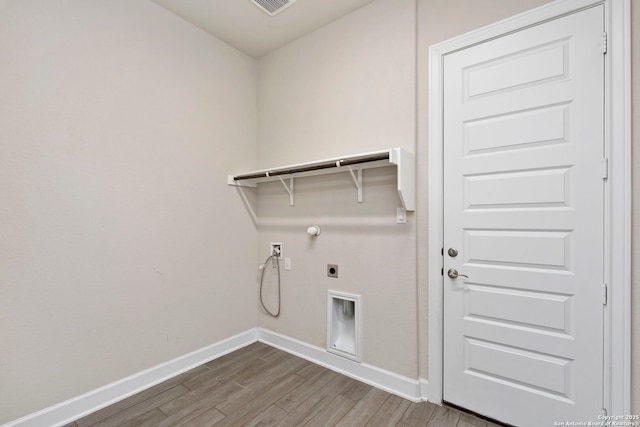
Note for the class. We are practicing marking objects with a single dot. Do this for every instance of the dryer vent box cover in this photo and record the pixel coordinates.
(273, 7)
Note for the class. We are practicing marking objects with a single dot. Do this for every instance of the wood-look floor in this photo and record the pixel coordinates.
(261, 386)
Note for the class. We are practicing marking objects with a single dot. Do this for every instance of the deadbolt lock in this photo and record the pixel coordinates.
(453, 252)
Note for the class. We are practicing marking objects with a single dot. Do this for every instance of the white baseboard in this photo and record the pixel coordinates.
(424, 389)
(408, 388)
(99, 398)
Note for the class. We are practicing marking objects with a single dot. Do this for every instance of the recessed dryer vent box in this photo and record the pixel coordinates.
(344, 326)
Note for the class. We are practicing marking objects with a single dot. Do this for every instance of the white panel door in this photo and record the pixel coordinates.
(523, 204)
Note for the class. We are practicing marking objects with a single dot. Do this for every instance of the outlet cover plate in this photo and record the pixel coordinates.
(401, 216)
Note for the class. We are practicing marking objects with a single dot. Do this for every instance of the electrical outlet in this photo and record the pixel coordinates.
(287, 264)
(332, 270)
(401, 216)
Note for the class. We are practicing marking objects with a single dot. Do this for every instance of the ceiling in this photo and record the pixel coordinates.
(246, 27)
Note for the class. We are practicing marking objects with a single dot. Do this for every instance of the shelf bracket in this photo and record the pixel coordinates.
(357, 180)
(289, 189)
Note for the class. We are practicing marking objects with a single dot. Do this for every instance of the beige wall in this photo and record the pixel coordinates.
(118, 125)
(347, 88)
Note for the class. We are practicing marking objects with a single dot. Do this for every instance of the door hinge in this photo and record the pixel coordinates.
(604, 293)
(605, 168)
(604, 43)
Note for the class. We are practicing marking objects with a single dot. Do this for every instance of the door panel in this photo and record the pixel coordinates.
(524, 197)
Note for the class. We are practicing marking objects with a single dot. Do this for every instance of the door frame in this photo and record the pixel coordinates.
(617, 317)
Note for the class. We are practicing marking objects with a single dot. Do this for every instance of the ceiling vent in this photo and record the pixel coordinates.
(273, 7)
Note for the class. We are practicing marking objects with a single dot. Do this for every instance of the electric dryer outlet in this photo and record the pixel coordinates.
(332, 270)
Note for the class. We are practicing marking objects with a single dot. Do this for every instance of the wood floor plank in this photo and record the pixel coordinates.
(260, 402)
(444, 417)
(146, 420)
(463, 423)
(468, 420)
(272, 353)
(291, 400)
(246, 367)
(141, 408)
(139, 397)
(332, 413)
(261, 383)
(311, 370)
(357, 390)
(204, 419)
(228, 365)
(316, 402)
(250, 352)
(364, 409)
(270, 417)
(203, 397)
(256, 348)
(418, 414)
(390, 412)
(190, 414)
(255, 371)
(285, 363)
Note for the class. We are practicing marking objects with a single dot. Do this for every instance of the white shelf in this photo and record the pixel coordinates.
(354, 164)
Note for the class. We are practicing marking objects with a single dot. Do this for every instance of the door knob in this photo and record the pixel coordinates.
(453, 273)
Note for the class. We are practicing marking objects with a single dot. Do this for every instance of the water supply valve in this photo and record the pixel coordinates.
(314, 230)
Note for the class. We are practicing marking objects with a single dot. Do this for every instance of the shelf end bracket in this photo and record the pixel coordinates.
(406, 177)
(289, 189)
(357, 180)
(231, 180)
